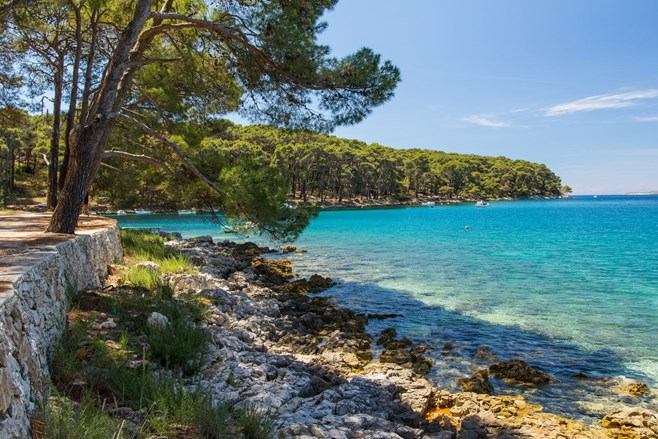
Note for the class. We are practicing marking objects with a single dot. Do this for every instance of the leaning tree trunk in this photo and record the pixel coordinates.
(85, 159)
(88, 148)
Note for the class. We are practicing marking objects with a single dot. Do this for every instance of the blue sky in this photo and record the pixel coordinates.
(569, 83)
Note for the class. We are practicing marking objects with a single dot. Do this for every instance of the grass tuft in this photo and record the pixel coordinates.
(65, 419)
(176, 264)
(143, 277)
(180, 345)
(142, 245)
(254, 422)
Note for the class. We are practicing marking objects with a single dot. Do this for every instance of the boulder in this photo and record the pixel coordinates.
(519, 370)
(149, 265)
(478, 383)
(319, 283)
(205, 239)
(637, 388)
(157, 320)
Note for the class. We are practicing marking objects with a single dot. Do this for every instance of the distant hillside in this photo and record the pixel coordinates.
(642, 193)
(328, 167)
(311, 167)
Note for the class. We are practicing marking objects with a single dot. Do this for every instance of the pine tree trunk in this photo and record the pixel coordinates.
(88, 148)
(53, 168)
(73, 100)
(86, 157)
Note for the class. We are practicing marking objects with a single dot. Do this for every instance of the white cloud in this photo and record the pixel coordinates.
(601, 102)
(486, 120)
(647, 118)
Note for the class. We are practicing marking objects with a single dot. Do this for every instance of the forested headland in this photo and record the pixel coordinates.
(322, 168)
(307, 166)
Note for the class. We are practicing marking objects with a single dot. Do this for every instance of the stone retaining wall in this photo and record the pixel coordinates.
(34, 285)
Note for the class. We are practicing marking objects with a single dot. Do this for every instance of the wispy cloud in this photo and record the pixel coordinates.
(486, 120)
(601, 102)
(646, 118)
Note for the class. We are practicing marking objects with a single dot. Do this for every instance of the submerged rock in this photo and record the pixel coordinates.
(519, 370)
(403, 352)
(486, 355)
(478, 383)
(636, 388)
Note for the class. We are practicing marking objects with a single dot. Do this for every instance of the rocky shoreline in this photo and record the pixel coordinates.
(310, 364)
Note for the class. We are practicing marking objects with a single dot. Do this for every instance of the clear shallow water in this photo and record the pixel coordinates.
(571, 286)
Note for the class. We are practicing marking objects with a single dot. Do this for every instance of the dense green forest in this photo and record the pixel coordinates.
(322, 168)
(298, 165)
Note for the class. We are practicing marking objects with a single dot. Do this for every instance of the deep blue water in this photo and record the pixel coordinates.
(570, 285)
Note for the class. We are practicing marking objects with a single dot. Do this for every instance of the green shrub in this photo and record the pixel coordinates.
(143, 245)
(211, 420)
(136, 387)
(254, 423)
(65, 419)
(65, 366)
(180, 345)
(174, 404)
(143, 277)
(175, 264)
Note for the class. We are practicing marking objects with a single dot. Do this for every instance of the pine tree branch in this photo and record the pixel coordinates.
(140, 158)
(177, 150)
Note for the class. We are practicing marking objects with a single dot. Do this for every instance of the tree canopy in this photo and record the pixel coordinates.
(300, 165)
(155, 66)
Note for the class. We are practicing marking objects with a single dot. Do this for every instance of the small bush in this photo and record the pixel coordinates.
(254, 423)
(174, 405)
(65, 419)
(65, 363)
(180, 345)
(175, 264)
(143, 277)
(211, 419)
(136, 387)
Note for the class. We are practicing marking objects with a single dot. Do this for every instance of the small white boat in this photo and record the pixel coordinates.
(428, 203)
(481, 204)
(142, 212)
(121, 212)
(186, 212)
(230, 229)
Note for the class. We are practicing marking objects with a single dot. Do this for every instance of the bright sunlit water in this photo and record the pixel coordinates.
(571, 286)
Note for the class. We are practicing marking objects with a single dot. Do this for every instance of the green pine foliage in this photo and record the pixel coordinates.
(260, 167)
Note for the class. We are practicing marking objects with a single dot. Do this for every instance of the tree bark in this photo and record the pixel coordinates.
(54, 137)
(73, 101)
(89, 147)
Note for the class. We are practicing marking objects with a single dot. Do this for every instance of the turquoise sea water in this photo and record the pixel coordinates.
(571, 285)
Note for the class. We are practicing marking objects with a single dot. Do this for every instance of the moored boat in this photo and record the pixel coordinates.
(481, 203)
(142, 212)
